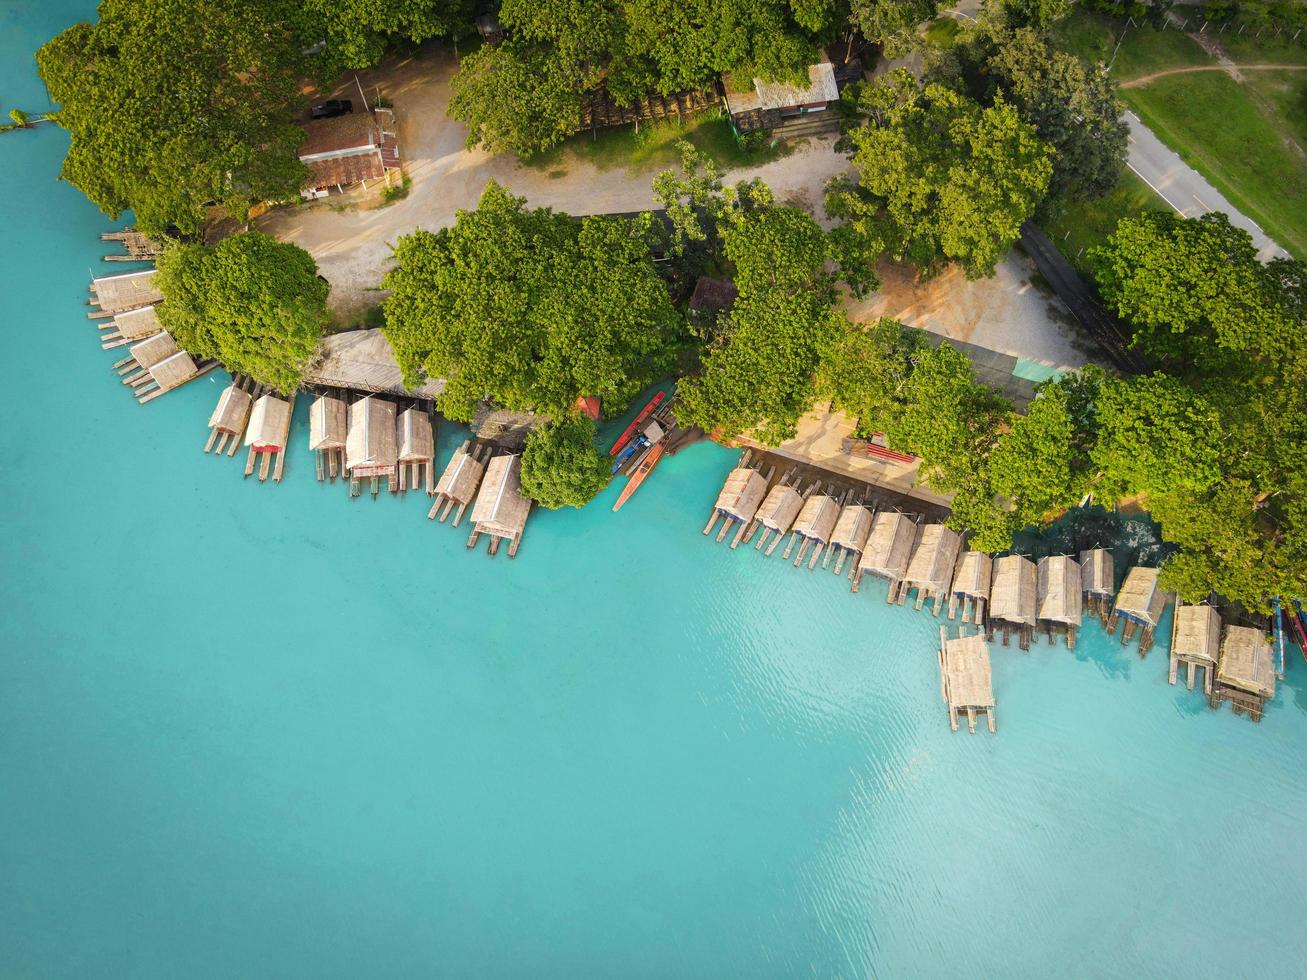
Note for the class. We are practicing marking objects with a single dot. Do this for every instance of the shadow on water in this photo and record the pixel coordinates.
(1133, 539)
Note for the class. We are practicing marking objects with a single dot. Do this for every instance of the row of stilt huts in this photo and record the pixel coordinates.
(1008, 595)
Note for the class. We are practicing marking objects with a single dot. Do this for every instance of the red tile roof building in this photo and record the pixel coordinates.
(348, 149)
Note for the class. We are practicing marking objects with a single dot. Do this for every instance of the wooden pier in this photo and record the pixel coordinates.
(1013, 599)
(1245, 672)
(970, 591)
(1061, 601)
(740, 497)
(965, 679)
(458, 484)
(328, 431)
(1195, 642)
(137, 246)
(1098, 581)
(230, 417)
(501, 509)
(931, 570)
(1140, 603)
(268, 435)
(888, 551)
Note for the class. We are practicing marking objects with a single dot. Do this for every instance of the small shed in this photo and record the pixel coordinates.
(458, 484)
(1245, 671)
(1013, 598)
(850, 535)
(971, 586)
(370, 450)
(1195, 642)
(768, 104)
(229, 419)
(966, 680)
(1140, 603)
(933, 562)
(1098, 580)
(328, 430)
(888, 550)
(1060, 598)
(777, 512)
(417, 447)
(740, 497)
(500, 509)
(813, 526)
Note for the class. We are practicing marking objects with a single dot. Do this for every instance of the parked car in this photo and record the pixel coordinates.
(331, 108)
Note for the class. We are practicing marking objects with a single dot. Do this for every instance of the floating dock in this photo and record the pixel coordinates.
(965, 678)
(137, 246)
(458, 484)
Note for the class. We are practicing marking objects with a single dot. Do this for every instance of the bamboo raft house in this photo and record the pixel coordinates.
(370, 451)
(1195, 642)
(118, 294)
(850, 535)
(229, 419)
(1098, 581)
(888, 550)
(268, 434)
(417, 449)
(328, 430)
(130, 325)
(778, 511)
(1060, 598)
(965, 679)
(501, 509)
(814, 526)
(933, 563)
(1140, 602)
(1245, 671)
(1013, 599)
(458, 484)
(741, 496)
(970, 589)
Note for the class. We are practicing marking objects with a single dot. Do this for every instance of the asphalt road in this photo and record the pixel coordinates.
(1184, 188)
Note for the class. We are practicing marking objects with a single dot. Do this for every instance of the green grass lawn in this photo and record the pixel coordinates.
(654, 145)
(1240, 137)
(941, 32)
(1094, 36)
(1248, 49)
(1078, 225)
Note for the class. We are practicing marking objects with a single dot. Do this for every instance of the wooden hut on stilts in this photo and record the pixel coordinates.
(850, 535)
(129, 326)
(1195, 642)
(501, 509)
(888, 550)
(1060, 598)
(458, 483)
(934, 560)
(328, 430)
(741, 496)
(230, 417)
(417, 449)
(814, 525)
(1013, 599)
(1140, 603)
(965, 679)
(777, 512)
(268, 434)
(1245, 671)
(370, 451)
(971, 587)
(1098, 581)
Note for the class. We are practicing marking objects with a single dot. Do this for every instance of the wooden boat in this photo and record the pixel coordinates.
(630, 429)
(638, 477)
(631, 448)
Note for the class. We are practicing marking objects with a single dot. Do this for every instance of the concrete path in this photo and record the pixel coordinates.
(1184, 188)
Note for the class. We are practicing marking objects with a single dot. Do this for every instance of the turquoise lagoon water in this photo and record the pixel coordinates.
(265, 731)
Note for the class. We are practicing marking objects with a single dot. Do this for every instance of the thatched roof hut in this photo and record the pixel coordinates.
(233, 411)
(780, 507)
(500, 507)
(138, 323)
(416, 440)
(174, 370)
(1013, 596)
(370, 443)
(327, 423)
(1197, 634)
(934, 559)
(889, 546)
(269, 425)
(1140, 599)
(462, 476)
(149, 352)
(114, 294)
(853, 528)
(817, 519)
(1097, 573)
(973, 576)
(1060, 598)
(1247, 661)
(966, 680)
(741, 494)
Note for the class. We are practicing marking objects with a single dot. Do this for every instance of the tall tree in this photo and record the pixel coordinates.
(561, 466)
(528, 308)
(938, 176)
(253, 303)
(866, 372)
(1037, 14)
(176, 104)
(356, 32)
(892, 23)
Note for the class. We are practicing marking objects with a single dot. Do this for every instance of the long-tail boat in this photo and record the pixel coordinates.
(641, 472)
(645, 412)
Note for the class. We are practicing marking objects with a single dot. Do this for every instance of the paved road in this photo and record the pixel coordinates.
(1184, 188)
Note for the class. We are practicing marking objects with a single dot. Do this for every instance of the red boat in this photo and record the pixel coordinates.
(630, 429)
(638, 477)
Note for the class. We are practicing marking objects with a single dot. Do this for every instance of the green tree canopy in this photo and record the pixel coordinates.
(939, 177)
(528, 308)
(253, 303)
(865, 374)
(1037, 14)
(174, 104)
(561, 466)
(892, 23)
(356, 32)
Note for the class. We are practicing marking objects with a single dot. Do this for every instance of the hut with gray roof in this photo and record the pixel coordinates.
(850, 535)
(458, 483)
(1140, 604)
(1060, 598)
(965, 678)
(1195, 642)
(370, 450)
(1245, 671)
(328, 431)
(888, 550)
(501, 509)
(970, 589)
(934, 560)
(1013, 598)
